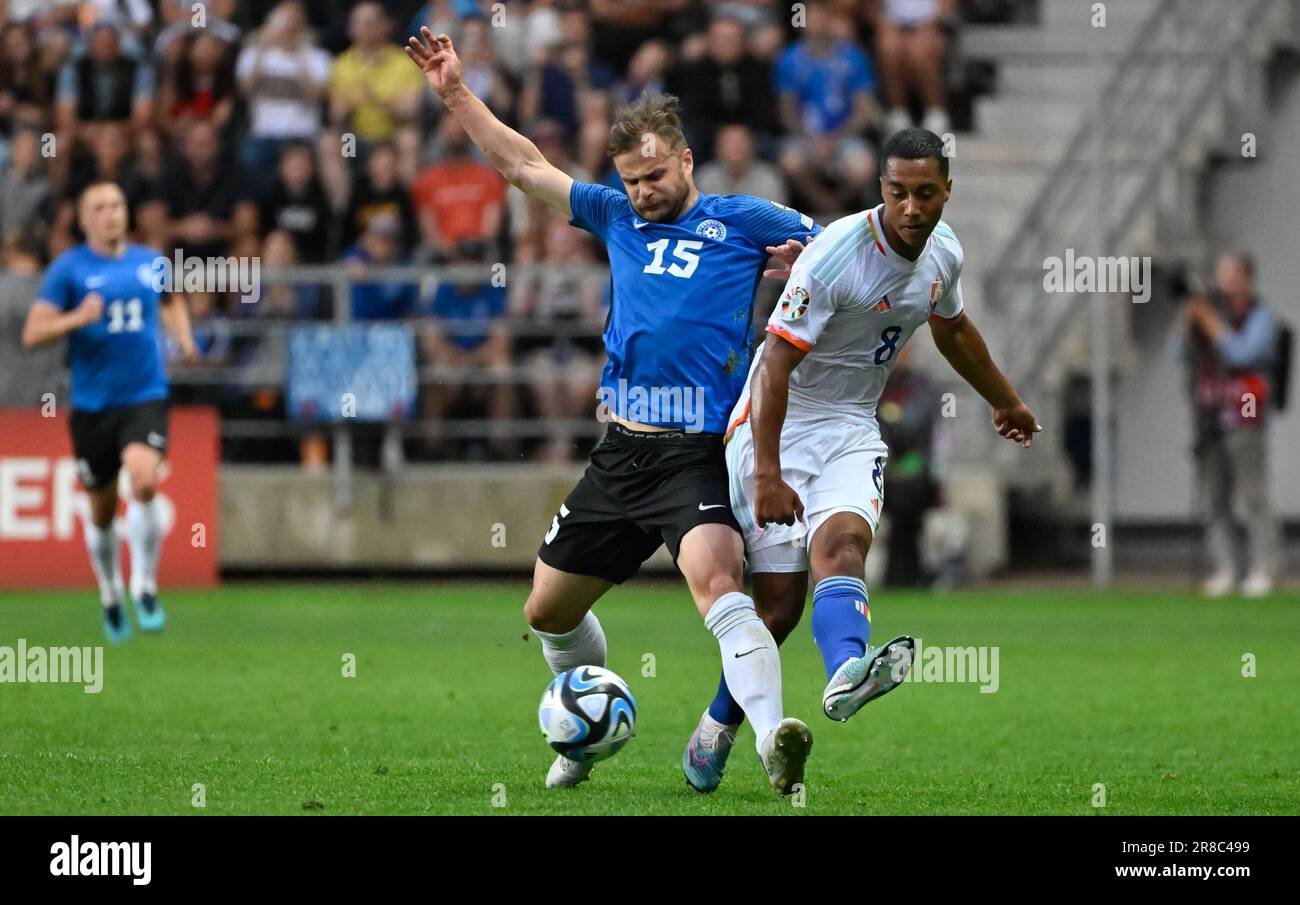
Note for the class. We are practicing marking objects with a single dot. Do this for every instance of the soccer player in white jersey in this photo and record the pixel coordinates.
(804, 453)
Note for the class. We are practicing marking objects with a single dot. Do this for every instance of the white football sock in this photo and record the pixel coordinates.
(750, 661)
(144, 537)
(105, 560)
(583, 646)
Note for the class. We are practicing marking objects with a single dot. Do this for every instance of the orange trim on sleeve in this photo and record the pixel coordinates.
(790, 338)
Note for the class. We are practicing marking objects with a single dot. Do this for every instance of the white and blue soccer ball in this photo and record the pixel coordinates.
(587, 713)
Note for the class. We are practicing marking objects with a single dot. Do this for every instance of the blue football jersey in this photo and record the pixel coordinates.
(682, 301)
(118, 360)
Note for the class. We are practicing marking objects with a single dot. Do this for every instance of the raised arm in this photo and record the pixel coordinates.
(514, 156)
(965, 350)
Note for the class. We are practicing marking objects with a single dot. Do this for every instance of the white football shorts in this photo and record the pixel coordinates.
(833, 466)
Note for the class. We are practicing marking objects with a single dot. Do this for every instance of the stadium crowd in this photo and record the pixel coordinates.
(300, 132)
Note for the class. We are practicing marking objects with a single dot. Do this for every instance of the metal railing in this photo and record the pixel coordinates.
(1187, 56)
(259, 338)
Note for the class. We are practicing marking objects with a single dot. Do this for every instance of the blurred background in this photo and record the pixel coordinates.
(414, 387)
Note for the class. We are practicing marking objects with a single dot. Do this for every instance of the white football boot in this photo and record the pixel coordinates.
(1220, 584)
(863, 679)
(1257, 584)
(565, 773)
(784, 753)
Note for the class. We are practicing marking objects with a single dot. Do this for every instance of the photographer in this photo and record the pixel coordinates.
(1229, 341)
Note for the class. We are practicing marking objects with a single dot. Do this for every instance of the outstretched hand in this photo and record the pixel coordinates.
(786, 254)
(437, 58)
(1016, 423)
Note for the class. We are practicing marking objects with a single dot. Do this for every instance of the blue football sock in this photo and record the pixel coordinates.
(841, 620)
(724, 708)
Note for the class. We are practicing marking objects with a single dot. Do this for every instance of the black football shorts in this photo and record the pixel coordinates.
(641, 489)
(98, 438)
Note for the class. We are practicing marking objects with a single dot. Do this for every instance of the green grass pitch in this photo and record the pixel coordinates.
(244, 694)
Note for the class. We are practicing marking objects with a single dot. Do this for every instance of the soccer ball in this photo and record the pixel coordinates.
(587, 713)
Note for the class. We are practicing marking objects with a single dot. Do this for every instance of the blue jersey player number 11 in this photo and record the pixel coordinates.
(101, 296)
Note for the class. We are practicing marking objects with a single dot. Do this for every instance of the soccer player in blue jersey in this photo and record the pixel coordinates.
(684, 269)
(101, 296)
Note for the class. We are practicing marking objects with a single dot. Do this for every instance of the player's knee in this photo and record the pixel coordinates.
(543, 618)
(144, 487)
(725, 582)
(843, 552)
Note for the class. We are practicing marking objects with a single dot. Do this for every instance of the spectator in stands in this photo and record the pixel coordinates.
(262, 357)
(765, 42)
(150, 158)
(561, 308)
(443, 16)
(480, 69)
(43, 368)
(529, 28)
(211, 329)
(562, 75)
(132, 18)
(379, 246)
(103, 85)
(204, 204)
(198, 85)
(910, 44)
(622, 26)
(824, 85)
(373, 89)
(527, 215)
(180, 16)
(647, 73)
(25, 90)
(110, 159)
(25, 192)
(297, 205)
(380, 191)
(457, 198)
(593, 138)
(296, 301)
(726, 85)
(283, 75)
(737, 171)
(467, 330)
(1230, 342)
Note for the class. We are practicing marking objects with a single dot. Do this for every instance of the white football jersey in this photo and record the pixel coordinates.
(851, 303)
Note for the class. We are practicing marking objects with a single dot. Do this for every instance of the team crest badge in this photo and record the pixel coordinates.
(794, 303)
(883, 305)
(712, 229)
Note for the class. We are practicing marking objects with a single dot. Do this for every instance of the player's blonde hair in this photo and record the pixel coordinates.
(659, 115)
